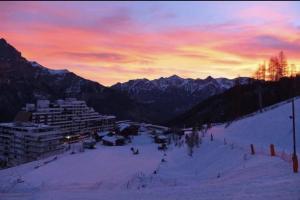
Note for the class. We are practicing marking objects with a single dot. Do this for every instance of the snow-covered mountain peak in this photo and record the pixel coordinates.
(47, 70)
(174, 92)
(174, 77)
(188, 84)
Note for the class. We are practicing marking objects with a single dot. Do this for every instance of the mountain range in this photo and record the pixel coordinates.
(157, 101)
(174, 95)
(172, 101)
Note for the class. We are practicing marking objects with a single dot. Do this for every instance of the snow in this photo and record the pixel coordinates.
(123, 126)
(109, 139)
(50, 71)
(215, 170)
(162, 137)
(58, 71)
(271, 127)
(103, 133)
(89, 140)
(137, 86)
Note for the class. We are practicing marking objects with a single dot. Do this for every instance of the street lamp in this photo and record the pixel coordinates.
(295, 159)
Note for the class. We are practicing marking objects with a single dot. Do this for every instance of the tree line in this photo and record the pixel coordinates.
(275, 69)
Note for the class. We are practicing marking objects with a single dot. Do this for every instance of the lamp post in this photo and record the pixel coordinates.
(295, 159)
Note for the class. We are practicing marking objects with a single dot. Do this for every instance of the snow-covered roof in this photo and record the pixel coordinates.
(119, 137)
(188, 132)
(109, 139)
(89, 140)
(102, 133)
(162, 137)
(123, 121)
(123, 126)
(187, 129)
(156, 127)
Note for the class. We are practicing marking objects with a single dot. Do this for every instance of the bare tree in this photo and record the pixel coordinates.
(282, 68)
(293, 70)
(260, 73)
(272, 68)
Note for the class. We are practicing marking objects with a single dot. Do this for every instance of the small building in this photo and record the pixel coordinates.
(160, 139)
(113, 140)
(89, 143)
(120, 140)
(24, 142)
(162, 146)
(156, 129)
(108, 141)
(101, 134)
(129, 130)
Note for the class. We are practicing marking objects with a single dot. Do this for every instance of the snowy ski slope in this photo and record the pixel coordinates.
(215, 171)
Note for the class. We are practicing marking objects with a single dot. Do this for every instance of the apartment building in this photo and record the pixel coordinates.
(73, 117)
(25, 142)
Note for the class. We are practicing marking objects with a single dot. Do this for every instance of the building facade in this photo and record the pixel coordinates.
(25, 142)
(73, 117)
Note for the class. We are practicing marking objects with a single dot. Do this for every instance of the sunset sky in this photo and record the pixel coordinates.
(113, 42)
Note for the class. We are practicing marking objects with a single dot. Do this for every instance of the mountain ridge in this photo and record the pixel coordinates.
(177, 81)
(174, 95)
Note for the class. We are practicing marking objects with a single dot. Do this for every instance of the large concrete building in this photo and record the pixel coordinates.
(25, 142)
(71, 116)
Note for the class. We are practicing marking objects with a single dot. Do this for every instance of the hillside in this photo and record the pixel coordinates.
(215, 171)
(238, 101)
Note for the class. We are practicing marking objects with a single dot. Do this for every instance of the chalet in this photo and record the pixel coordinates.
(113, 140)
